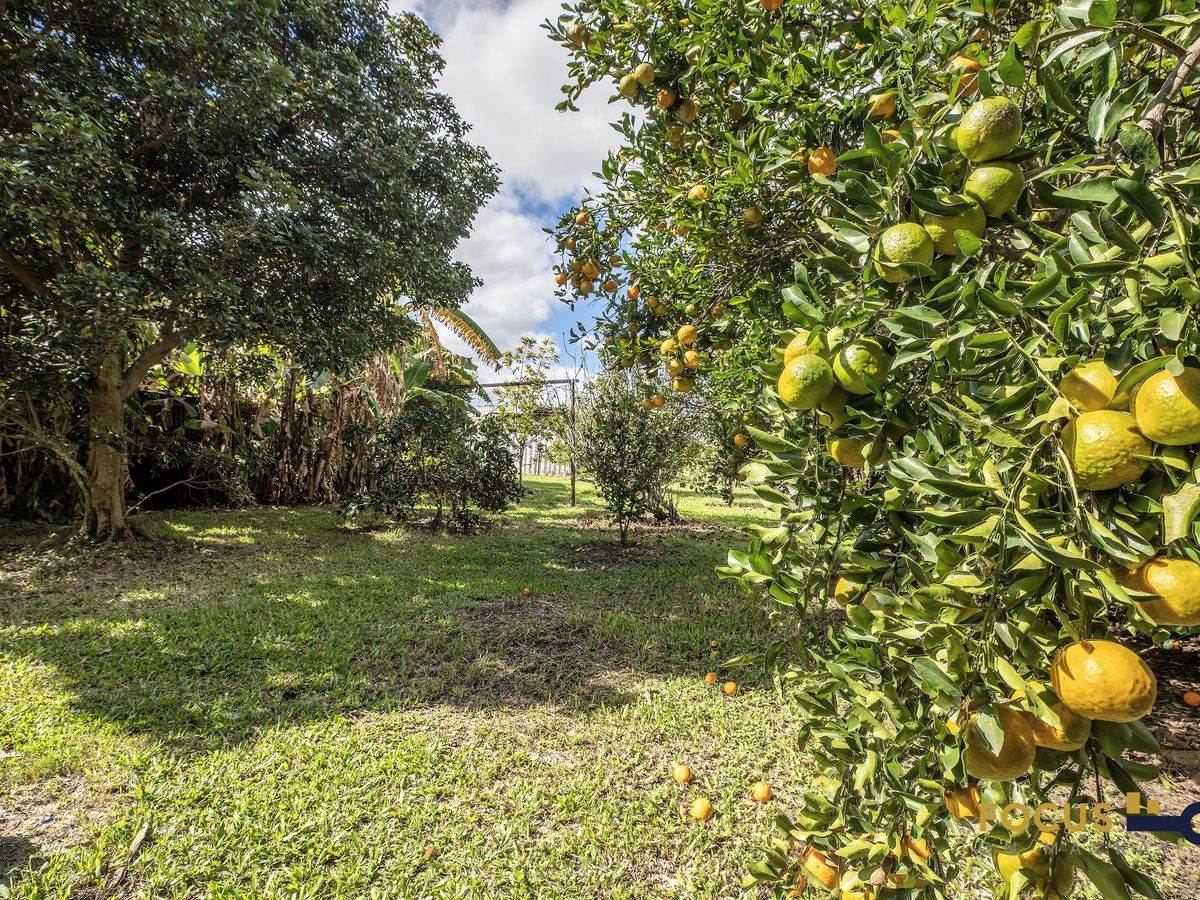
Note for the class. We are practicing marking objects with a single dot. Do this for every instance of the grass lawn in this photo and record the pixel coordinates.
(300, 710)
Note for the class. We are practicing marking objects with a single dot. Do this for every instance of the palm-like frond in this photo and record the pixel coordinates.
(469, 331)
(435, 342)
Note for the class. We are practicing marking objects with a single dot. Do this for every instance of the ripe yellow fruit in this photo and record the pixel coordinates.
(996, 185)
(675, 367)
(989, 129)
(1167, 407)
(711, 677)
(844, 591)
(941, 228)
(963, 801)
(1177, 584)
(667, 347)
(1054, 885)
(822, 161)
(583, 218)
(659, 401)
(770, 5)
(561, 278)
(906, 243)
(647, 405)
(666, 98)
(1090, 386)
(883, 106)
(729, 688)
(1191, 698)
(701, 809)
(805, 382)
(611, 285)
(889, 135)
(683, 385)
(1071, 734)
(740, 440)
(800, 346)
(687, 335)
(826, 868)
(1016, 752)
(1103, 680)
(692, 359)
(682, 774)
(688, 110)
(628, 85)
(1105, 449)
(857, 362)
(644, 73)
(698, 193)
(761, 792)
(633, 292)
(855, 453)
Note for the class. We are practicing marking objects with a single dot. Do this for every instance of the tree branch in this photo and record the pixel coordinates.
(1152, 121)
(32, 283)
(155, 353)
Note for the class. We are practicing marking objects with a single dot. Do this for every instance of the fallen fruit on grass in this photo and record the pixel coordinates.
(1191, 698)
(682, 774)
(526, 592)
(761, 792)
(729, 688)
(711, 677)
(701, 809)
(713, 643)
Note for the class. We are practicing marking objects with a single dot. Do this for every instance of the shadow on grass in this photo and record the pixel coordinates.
(307, 621)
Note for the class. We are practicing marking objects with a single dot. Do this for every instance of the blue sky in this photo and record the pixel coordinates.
(504, 74)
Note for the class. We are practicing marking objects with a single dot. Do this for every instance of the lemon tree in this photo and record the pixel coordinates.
(998, 484)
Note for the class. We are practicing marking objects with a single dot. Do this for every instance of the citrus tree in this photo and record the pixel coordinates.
(945, 253)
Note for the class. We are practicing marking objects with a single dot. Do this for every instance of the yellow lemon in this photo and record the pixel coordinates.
(801, 346)
(1016, 752)
(1177, 584)
(1101, 679)
(1090, 386)
(1167, 408)
(1071, 734)
(1103, 448)
(855, 453)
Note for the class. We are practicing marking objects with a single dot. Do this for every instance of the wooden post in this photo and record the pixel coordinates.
(572, 447)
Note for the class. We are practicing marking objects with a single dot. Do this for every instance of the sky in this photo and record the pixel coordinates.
(504, 74)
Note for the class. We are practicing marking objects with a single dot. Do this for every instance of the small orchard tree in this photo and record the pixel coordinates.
(952, 248)
(438, 452)
(218, 172)
(631, 452)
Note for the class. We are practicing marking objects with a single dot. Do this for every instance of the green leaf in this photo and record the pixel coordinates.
(1133, 878)
(1139, 372)
(934, 676)
(1139, 146)
(1009, 69)
(772, 443)
(1104, 875)
(1140, 198)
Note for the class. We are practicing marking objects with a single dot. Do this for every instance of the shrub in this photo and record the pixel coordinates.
(632, 454)
(437, 452)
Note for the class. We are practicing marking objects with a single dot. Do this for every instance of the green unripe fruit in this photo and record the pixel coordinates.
(997, 186)
(989, 129)
(900, 244)
(805, 382)
(941, 228)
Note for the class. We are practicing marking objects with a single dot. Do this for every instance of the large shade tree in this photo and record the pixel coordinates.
(218, 172)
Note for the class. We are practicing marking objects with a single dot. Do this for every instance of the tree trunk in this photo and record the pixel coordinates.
(104, 513)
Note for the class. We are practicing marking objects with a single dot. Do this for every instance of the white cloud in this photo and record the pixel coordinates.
(504, 74)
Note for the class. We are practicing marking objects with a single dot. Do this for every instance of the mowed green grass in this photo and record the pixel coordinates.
(303, 710)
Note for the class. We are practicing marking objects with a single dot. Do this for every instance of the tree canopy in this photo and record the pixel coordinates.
(981, 219)
(278, 172)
